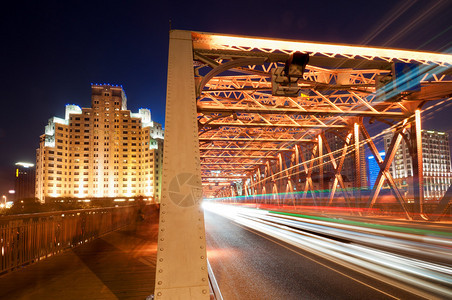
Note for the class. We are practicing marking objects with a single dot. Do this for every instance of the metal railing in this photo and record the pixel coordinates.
(25, 239)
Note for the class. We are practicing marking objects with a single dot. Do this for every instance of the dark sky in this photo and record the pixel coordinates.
(52, 50)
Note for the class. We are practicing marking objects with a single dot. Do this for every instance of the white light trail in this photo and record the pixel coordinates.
(359, 252)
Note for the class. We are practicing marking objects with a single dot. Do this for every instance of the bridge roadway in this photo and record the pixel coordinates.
(247, 265)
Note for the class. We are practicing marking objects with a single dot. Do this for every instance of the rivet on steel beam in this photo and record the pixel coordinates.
(160, 271)
(203, 279)
(160, 283)
(204, 291)
(161, 259)
(159, 293)
(161, 249)
(202, 256)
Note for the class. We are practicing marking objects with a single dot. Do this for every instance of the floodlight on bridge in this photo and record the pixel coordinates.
(285, 79)
(296, 64)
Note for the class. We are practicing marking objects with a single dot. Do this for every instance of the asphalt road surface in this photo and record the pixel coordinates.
(250, 265)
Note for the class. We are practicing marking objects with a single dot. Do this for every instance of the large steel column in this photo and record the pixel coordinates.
(251, 185)
(309, 182)
(259, 184)
(418, 176)
(279, 180)
(181, 271)
(320, 165)
(357, 164)
(297, 169)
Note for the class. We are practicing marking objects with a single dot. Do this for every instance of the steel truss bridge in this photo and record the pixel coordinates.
(249, 116)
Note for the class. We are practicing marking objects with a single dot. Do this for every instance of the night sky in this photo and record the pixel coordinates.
(53, 50)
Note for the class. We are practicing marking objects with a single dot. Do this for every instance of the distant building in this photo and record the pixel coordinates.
(436, 163)
(373, 168)
(336, 142)
(24, 184)
(105, 151)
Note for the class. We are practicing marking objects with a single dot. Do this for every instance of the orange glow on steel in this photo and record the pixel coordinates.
(417, 115)
(223, 40)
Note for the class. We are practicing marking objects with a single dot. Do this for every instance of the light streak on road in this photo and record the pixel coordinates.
(417, 263)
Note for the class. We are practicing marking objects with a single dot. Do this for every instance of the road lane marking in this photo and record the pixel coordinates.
(322, 264)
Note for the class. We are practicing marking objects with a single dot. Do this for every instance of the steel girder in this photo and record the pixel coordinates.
(241, 123)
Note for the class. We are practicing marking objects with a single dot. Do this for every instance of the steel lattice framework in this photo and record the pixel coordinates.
(242, 125)
(226, 133)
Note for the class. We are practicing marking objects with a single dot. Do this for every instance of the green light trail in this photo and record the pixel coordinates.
(371, 225)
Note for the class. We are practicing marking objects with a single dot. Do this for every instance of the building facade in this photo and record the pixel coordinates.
(24, 183)
(373, 168)
(104, 151)
(436, 162)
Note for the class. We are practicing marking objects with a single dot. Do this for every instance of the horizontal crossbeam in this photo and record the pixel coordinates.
(243, 149)
(239, 156)
(254, 163)
(254, 139)
(296, 111)
(266, 125)
(318, 61)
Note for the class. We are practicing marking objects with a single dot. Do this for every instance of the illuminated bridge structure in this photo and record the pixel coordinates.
(248, 116)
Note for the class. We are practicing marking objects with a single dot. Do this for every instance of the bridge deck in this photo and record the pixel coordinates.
(119, 265)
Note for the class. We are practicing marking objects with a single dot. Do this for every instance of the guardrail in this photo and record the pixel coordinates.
(25, 239)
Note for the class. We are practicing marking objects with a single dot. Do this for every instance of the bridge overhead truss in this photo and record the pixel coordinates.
(249, 116)
(243, 123)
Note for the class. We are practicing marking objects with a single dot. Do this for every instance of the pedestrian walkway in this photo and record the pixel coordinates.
(119, 265)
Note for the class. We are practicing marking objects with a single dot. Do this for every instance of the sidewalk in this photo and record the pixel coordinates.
(119, 265)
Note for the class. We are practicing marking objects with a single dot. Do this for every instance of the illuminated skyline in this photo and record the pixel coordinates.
(55, 49)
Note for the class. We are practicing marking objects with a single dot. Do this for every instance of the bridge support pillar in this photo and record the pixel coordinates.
(320, 165)
(418, 176)
(357, 164)
(181, 271)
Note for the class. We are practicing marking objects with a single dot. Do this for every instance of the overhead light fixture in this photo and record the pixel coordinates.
(285, 79)
(296, 64)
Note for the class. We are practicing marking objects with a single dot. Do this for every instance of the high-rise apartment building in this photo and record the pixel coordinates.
(436, 162)
(105, 151)
(24, 183)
